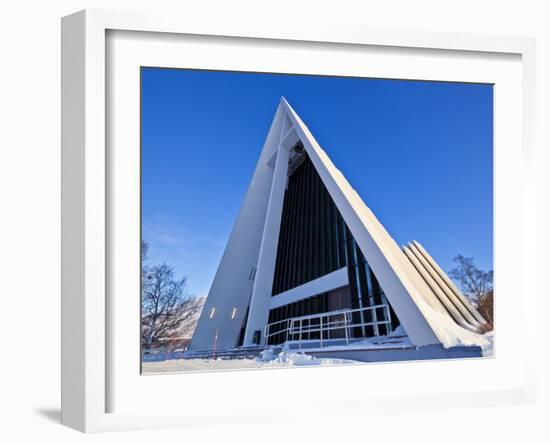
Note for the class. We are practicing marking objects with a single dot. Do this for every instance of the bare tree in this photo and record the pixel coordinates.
(189, 313)
(163, 304)
(160, 295)
(167, 311)
(475, 283)
(486, 307)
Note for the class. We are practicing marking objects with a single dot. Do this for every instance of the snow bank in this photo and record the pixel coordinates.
(296, 359)
(267, 355)
(396, 339)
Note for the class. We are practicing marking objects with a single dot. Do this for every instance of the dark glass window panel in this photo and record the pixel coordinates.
(308, 248)
(314, 241)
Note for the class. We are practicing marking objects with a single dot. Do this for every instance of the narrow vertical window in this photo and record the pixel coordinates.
(234, 313)
(212, 312)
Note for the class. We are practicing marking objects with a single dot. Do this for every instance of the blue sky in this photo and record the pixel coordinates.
(419, 153)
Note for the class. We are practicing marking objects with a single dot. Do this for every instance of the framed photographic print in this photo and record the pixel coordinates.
(307, 275)
(248, 206)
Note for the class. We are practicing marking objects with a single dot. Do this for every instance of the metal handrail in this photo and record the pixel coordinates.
(331, 313)
(346, 323)
(278, 322)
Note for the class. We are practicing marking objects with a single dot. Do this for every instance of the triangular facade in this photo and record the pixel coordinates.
(305, 249)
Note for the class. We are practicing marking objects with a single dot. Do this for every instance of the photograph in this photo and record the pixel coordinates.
(293, 220)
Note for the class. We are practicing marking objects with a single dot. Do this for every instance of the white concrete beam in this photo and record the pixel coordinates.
(449, 283)
(232, 284)
(325, 283)
(263, 282)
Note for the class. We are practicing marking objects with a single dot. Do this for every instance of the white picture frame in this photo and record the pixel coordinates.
(86, 205)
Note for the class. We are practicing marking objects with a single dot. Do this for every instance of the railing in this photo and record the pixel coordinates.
(325, 326)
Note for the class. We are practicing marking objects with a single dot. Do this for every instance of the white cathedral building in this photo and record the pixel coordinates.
(308, 264)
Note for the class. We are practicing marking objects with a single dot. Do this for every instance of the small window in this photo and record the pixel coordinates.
(234, 313)
(212, 312)
(256, 337)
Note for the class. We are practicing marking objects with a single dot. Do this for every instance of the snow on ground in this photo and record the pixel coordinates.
(396, 339)
(178, 365)
(267, 359)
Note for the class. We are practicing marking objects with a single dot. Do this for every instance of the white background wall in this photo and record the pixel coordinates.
(30, 214)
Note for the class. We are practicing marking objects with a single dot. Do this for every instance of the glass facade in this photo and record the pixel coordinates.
(314, 241)
(366, 292)
(311, 240)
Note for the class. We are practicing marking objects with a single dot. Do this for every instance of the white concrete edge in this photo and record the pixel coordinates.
(325, 283)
